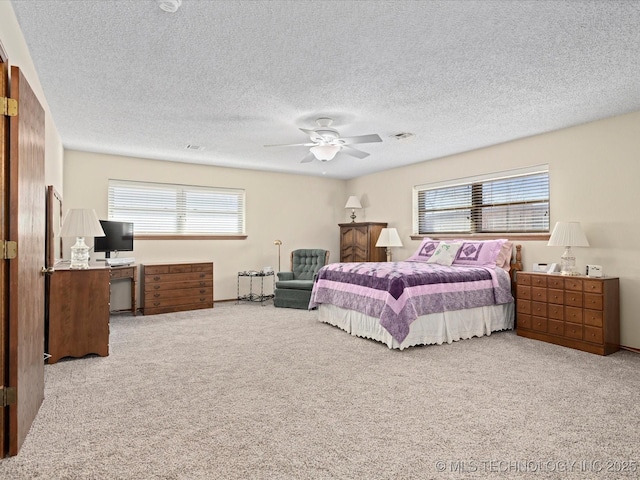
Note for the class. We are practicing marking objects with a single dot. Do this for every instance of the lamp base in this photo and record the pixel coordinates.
(388, 254)
(79, 254)
(353, 216)
(568, 263)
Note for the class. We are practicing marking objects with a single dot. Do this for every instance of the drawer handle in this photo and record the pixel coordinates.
(202, 275)
(202, 291)
(202, 299)
(156, 303)
(156, 287)
(156, 278)
(202, 284)
(156, 295)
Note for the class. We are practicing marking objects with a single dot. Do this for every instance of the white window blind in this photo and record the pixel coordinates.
(510, 202)
(168, 209)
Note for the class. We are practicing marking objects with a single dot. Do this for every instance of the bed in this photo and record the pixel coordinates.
(429, 298)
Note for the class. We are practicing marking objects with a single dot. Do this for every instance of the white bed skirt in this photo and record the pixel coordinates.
(435, 328)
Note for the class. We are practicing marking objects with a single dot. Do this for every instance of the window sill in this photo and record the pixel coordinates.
(190, 237)
(488, 236)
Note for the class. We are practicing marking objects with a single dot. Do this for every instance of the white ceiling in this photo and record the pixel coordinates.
(126, 78)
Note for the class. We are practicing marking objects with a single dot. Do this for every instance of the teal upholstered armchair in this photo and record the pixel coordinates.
(293, 289)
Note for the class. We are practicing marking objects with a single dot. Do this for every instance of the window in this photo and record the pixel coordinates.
(167, 209)
(508, 202)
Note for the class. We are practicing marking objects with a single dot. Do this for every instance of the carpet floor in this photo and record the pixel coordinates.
(252, 392)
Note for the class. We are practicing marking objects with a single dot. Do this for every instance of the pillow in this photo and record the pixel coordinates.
(504, 257)
(445, 253)
(481, 253)
(424, 252)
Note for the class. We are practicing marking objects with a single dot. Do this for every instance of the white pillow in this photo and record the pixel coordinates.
(445, 253)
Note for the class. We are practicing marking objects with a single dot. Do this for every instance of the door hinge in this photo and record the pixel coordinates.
(8, 106)
(8, 249)
(8, 396)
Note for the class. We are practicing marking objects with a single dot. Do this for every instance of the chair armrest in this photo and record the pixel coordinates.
(285, 276)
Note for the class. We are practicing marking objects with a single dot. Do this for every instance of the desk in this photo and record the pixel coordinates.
(254, 297)
(129, 272)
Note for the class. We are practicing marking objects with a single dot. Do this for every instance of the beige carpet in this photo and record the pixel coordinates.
(251, 392)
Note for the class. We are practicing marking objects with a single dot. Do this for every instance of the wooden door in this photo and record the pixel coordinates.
(26, 227)
(4, 264)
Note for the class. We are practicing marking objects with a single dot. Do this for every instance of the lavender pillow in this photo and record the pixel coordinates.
(424, 252)
(481, 253)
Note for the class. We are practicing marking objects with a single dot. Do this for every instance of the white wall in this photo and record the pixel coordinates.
(18, 53)
(302, 212)
(594, 171)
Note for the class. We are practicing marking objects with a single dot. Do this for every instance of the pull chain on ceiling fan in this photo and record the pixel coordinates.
(327, 142)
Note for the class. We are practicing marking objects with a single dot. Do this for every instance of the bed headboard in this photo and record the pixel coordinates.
(516, 266)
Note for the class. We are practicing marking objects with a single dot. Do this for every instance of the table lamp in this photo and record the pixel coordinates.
(568, 234)
(353, 202)
(389, 238)
(80, 223)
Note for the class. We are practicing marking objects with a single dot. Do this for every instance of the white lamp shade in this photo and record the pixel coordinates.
(353, 202)
(389, 238)
(81, 222)
(568, 234)
(325, 152)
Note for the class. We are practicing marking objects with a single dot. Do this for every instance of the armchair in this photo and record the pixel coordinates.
(293, 289)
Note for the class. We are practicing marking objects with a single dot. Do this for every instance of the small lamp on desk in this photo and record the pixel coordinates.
(568, 234)
(80, 223)
(389, 238)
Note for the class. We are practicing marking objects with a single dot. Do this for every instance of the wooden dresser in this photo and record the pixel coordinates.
(358, 242)
(578, 312)
(174, 287)
(78, 313)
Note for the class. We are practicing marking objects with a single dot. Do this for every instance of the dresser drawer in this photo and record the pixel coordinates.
(573, 330)
(538, 281)
(164, 301)
(593, 334)
(556, 283)
(593, 301)
(573, 298)
(155, 286)
(523, 306)
(555, 327)
(593, 286)
(177, 277)
(539, 294)
(573, 284)
(573, 315)
(523, 279)
(523, 292)
(593, 318)
(556, 311)
(538, 309)
(524, 321)
(555, 296)
(539, 324)
(167, 295)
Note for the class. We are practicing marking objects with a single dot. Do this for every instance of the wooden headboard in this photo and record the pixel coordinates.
(516, 266)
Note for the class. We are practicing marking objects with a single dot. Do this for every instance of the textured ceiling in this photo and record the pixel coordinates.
(127, 78)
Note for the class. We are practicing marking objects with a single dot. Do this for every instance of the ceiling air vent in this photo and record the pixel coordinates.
(194, 147)
(403, 136)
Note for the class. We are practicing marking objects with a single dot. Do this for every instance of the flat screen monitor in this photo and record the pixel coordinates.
(118, 238)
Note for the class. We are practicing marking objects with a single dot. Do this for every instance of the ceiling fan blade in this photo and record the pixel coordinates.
(309, 158)
(361, 139)
(354, 152)
(292, 145)
(315, 136)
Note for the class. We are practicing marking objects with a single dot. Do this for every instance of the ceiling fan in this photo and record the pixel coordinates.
(326, 142)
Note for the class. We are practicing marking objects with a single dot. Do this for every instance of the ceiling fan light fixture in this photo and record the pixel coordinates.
(324, 153)
(170, 6)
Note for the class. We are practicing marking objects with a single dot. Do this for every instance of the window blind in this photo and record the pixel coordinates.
(169, 209)
(508, 203)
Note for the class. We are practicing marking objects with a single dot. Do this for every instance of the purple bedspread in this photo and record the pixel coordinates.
(398, 292)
